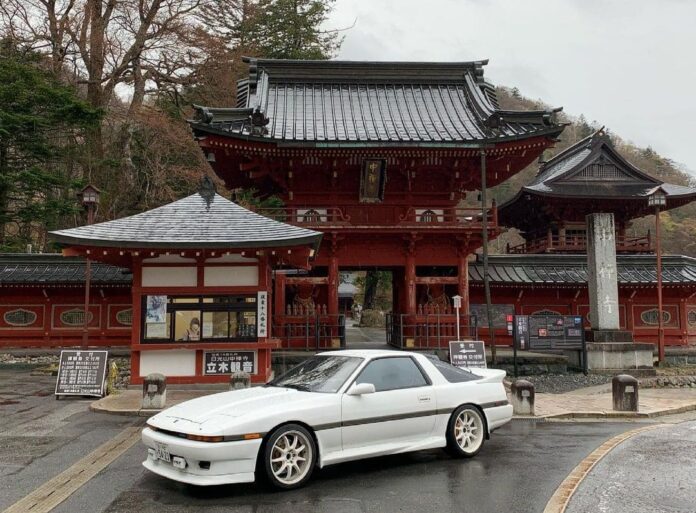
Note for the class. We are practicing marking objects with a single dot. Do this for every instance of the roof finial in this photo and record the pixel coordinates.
(207, 190)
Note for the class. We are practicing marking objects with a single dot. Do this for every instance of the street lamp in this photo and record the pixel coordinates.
(89, 197)
(457, 305)
(657, 198)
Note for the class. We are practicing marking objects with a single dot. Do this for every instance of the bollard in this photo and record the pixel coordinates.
(154, 392)
(239, 380)
(522, 397)
(624, 392)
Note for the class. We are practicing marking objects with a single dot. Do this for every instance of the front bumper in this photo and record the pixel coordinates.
(229, 462)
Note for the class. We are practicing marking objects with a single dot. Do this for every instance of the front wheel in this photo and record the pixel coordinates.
(289, 457)
(466, 432)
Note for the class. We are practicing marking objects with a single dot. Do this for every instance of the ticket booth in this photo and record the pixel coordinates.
(201, 283)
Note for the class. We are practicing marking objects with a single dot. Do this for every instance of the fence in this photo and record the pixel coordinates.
(428, 331)
(311, 331)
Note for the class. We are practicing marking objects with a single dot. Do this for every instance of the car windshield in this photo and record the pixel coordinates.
(319, 374)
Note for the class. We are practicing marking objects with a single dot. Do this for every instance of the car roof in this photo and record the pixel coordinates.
(367, 353)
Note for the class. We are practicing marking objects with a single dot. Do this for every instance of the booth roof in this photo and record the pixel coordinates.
(197, 221)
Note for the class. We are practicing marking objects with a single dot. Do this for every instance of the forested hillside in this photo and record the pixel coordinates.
(678, 225)
(98, 91)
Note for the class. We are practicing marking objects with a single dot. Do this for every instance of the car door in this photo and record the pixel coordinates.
(400, 411)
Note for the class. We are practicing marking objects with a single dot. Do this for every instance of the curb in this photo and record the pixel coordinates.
(561, 497)
(617, 414)
(141, 412)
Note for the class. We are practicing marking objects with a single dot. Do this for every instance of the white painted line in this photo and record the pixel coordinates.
(53, 492)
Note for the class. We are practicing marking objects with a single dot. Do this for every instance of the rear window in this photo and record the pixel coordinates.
(450, 372)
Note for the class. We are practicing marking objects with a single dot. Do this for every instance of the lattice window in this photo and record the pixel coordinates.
(20, 317)
(125, 317)
(649, 317)
(428, 217)
(75, 317)
(311, 216)
(691, 317)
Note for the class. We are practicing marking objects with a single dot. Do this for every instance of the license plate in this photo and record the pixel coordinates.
(162, 452)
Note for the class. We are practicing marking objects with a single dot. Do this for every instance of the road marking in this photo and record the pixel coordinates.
(53, 492)
(561, 497)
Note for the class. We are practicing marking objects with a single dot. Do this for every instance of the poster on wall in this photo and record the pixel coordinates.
(262, 307)
(156, 309)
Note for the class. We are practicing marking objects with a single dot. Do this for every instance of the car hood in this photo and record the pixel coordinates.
(235, 403)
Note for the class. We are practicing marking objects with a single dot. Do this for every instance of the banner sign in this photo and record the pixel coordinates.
(217, 363)
(467, 353)
(262, 308)
(81, 373)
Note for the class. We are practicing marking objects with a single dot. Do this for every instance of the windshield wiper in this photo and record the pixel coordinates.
(303, 388)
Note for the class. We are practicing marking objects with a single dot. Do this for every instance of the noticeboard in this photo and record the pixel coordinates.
(81, 373)
(548, 332)
(220, 363)
(467, 353)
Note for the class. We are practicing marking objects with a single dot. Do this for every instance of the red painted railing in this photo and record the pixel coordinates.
(578, 244)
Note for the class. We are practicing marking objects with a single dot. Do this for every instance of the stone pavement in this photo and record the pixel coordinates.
(589, 403)
(595, 402)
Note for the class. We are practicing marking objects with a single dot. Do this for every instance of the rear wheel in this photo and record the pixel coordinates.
(289, 456)
(466, 432)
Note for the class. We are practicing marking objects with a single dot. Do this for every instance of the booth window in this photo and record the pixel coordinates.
(199, 319)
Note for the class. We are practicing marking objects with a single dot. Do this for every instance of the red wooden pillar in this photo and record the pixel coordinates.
(333, 284)
(137, 316)
(410, 279)
(279, 295)
(683, 322)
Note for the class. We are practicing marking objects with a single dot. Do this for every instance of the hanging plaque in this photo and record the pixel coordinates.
(81, 373)
(373, 178)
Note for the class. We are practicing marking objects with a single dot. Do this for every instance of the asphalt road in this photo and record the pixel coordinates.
(517, 470)
(655, 471)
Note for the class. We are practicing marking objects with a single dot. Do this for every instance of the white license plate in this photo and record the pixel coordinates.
(162, 452)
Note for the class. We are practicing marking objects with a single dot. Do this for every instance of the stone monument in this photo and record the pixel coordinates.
(609, 347)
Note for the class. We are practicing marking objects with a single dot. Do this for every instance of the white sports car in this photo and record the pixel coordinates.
(333, 407)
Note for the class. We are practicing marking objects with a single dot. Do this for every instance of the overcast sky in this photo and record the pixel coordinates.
(628, 64)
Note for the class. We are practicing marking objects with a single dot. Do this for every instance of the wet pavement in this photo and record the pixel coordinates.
(517, 470)
(652, 472)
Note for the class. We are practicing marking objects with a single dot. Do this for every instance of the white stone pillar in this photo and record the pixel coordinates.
(601, 272)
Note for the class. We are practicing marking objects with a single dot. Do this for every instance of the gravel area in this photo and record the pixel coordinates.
(48, 364)
(560, 383)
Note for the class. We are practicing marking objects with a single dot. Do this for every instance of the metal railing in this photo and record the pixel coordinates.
(578, 243)
(311, 331)
(428, 331)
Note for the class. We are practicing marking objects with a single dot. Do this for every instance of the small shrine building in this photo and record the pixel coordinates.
(201, 283)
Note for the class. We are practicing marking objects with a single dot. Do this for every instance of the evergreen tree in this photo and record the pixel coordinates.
(42, 123)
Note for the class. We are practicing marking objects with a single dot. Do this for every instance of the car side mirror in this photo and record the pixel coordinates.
(361, 389)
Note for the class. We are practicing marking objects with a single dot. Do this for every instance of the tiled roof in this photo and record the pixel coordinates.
(370, 102)
(191, 222)
(572, 269)
(583, 174)
(54, 268)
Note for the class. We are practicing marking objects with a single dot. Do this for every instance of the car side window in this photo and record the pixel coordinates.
(392, 374)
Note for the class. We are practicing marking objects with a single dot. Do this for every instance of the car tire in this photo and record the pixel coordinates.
(466, 431)
(289, 456)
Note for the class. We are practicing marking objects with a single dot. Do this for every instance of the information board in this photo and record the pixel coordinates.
(467, 353)
(548, 332)
(217, 363)
(81, 373)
